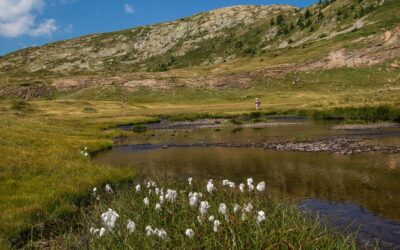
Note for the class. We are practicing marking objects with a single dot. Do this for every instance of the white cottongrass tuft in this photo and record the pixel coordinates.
(161, 199)
(161, 233)
(199, 220)
(158, 207)
(190, 179)
(241, 187)
(108, 189)
(260, 216)
(94, 190)
(225, 182)
(131, 226)
(231, 184)
(157, 191)
(149, 230)
(146, 201)
(247, 208)
(217, 223)
(171, 195)
(194, 198)
(210, 186)
(193, 201)
(222, 208)
(109, 218)
(250, 184)
(204, 206)
(189, 233)
(211, 218)
(236, 208)
(102, 232)
(138, 188)
(261, 186)
(150, 184)
(94, 231)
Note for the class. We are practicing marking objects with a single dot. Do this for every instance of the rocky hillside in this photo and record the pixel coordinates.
(276, 39)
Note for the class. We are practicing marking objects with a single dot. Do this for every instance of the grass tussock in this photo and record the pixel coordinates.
(143, 220)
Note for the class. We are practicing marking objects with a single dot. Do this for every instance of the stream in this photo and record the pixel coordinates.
(351, 192)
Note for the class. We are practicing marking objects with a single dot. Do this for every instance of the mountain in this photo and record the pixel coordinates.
(226, 47)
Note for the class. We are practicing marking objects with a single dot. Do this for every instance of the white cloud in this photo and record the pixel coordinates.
(18, 17)
(45, 28)
(129, 9)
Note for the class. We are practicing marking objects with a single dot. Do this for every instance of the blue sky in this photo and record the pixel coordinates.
(25, 23)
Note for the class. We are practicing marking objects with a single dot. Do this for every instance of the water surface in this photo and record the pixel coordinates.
(362, 190)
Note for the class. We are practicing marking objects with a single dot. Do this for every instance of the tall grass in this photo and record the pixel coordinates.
(284, 227)
(378, 113)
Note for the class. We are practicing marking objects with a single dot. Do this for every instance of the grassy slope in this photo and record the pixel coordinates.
(41, 170)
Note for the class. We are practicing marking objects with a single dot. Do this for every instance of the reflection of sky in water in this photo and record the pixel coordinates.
(351, 218)
(332, 182)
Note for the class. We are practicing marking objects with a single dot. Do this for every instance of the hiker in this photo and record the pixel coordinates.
(258, 104)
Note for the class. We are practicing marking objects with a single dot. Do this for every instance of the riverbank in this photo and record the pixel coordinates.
(336, 145)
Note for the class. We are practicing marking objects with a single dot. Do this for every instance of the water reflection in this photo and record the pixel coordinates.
(350, 218)
(334, 183)
(368, 179)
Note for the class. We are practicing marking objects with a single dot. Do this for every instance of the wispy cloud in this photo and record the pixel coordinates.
(129, 9)
(18, 17)
(45, 28)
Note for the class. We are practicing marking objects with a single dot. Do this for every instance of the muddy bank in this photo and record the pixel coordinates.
(366, 126)
(337, 145)
(167, 125)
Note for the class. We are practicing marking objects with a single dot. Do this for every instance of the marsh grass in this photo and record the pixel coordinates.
(368, 113)
(284, 228)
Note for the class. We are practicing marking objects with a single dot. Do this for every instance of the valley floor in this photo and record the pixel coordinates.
(45, 175)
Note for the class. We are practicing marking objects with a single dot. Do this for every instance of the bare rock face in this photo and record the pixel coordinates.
(95, 52)
(149, 83)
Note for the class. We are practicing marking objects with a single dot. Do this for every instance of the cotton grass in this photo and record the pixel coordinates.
(200, 214)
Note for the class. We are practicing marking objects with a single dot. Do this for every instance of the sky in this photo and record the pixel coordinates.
(25, 23)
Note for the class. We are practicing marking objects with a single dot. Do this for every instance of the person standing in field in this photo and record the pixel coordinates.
(258, 104)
